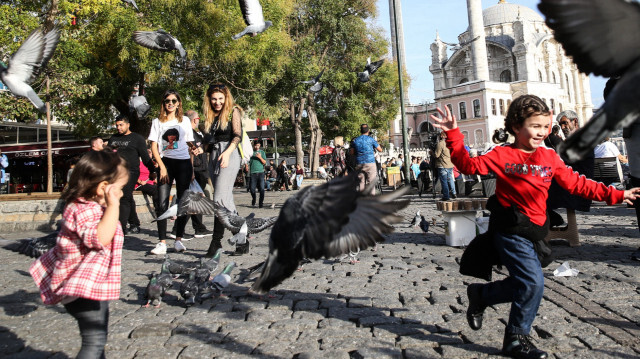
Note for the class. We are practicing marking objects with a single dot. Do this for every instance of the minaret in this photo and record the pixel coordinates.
(400, 38)
(478, 47)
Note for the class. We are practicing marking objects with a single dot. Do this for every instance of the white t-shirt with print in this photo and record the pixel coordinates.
(172, 137)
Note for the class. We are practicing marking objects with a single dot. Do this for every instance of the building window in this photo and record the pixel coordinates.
(560, 104)
(493, 106)
(554, 78)
(501, 107)
(505, 76)
(464, 80)
(540, 75)
(568, 87)
(463, 110)
(476, 108)
(466, 137)
(553, 105)
(479, 137)
(450, 107)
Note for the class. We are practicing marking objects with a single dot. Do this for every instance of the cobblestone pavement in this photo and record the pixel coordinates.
(405, 300)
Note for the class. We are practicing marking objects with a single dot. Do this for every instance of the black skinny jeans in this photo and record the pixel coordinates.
(127, 203)
(93, 321)
(181, 171)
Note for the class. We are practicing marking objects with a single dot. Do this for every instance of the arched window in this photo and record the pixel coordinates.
(501, 102)
(568, 87)
(493, 106)
(426, 127)
(476, 108)
(540, 75)
(463, 110)
(450, 107)
(553, 105)
(505, 76)
(554, 78)
(466, 137)
(464, 80)
(479, 137)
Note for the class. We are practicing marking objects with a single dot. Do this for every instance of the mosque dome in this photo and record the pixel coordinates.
(505, 12)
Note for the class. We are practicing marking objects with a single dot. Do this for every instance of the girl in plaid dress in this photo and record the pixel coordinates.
(83, 270)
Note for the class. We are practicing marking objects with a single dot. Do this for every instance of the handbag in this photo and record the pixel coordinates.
(245, 148)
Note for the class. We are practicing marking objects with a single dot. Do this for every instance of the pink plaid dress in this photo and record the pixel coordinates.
(79, 266)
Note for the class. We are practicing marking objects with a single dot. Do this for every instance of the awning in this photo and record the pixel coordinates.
(261, 134)
(325, 150)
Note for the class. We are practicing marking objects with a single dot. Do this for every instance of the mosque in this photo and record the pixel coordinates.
(506, 51)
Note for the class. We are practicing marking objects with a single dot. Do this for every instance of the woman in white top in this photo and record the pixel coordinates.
(171, 137)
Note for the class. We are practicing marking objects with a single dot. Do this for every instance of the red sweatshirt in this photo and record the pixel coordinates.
(524, 178)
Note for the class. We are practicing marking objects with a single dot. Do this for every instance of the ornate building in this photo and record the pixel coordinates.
(506, 51)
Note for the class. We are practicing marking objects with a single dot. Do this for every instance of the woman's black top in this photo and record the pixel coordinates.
(232, 133)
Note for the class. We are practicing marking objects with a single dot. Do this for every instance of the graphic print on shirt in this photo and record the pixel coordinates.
(533, 170)
(170, 139)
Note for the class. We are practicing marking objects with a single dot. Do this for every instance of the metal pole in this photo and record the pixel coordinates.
(49, 150)
(275, 144)
(405, 142)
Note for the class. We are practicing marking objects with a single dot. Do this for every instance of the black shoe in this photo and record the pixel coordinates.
(202, 233)
(636, 255)
(519, 346)
(241, 249)
(260, 205)
(134, 229)
(445, 199)
(476, 308)
(213, 248)
(453, 196)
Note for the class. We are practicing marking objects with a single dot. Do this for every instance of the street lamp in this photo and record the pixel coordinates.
(405, 142)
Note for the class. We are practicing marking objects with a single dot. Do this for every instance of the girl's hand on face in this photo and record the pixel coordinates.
(224, 159)
(448, 121)
(631, 195)
(112, 194)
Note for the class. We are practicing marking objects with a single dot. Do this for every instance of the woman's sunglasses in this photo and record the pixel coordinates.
(217, 87)
(168, 101)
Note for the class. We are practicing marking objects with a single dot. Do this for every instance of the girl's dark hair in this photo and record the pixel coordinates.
(522, 108)
(499, 136)
(92, 168)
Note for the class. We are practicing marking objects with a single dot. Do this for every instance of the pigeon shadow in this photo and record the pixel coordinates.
(12, 345)
(21, 303)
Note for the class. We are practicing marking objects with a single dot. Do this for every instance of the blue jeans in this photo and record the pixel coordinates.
(257, 179)
(447, 182)
(524, 286)
(269, 183)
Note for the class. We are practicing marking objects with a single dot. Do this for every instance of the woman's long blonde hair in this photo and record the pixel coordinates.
(163, 111)
(207, 110)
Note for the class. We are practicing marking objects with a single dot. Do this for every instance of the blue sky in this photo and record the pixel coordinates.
(422, 18)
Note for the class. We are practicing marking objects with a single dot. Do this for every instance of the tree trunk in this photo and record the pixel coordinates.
(316, 137)
(50, 19)
(296, 121)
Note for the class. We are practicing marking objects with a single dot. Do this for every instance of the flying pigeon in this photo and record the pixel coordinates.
(233, 222)
(253, 17)
(424, 224)
(601, 37)
(416, 220)
(195, 203)
(326, 220)
(139, 106)
(158, 40)
(169, 213)
(369, 69)
(241, 236)
(154, 292)
(315, 83)
(189, 289)
(133, 3)
(458, 46)
(33, 54)
(34, 247)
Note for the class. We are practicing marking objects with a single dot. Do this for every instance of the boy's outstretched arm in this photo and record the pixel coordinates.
(631, 195)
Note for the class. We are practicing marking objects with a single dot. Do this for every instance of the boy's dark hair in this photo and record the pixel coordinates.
(94, 139)
(364, 128)
(122, 117)
(522, 108)
(92, 168)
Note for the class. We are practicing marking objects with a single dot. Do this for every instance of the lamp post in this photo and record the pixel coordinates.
(403, 118)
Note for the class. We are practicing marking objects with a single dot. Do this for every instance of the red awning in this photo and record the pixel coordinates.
(325, 150)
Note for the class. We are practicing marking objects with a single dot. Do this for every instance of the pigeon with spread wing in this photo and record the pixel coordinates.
(253, 17)
(159, 40)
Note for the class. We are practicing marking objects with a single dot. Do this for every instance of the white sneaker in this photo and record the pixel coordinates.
(185, 237)
(161, 248)
(179, 246)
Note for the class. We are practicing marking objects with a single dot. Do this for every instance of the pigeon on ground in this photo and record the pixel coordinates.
(34, 247)
(424, 224)
(195, 203)
(326, 220)
(139, 106)
(253, 17)
(133, 3)
(240, 237)
(211, 264)
(33, 55)
(189, 289)
(154, 292)
(233, 222)
(602, 38)
(169, 266)
(165, 280)
(273, 206)
(353, 257)
(158, 40)
(369, 69)
(315, 83)
(416, 220)
(222, 280)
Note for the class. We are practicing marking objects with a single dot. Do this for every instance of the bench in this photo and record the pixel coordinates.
(607, 170)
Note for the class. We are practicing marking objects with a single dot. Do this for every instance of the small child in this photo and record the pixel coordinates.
(524, 171)
(83, 270)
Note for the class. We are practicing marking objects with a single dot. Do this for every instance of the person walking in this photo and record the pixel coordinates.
(363, 149)
(445, 168)
(201, 176)
(171, 138)
(283, 176)
(132, 148)
(4, 164)
(256, 170)
(338, 158)
(518, 215)
(223, 126)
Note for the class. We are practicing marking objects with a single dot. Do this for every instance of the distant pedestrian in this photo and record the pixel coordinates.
(338, 158)
(299, 176)
(4, 164)
(83, 270)
(283, 176)
(256, 170)
(445, 168)
(363, 151)
(518, 222)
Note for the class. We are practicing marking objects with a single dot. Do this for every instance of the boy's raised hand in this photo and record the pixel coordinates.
(448, 121)
(631, 195)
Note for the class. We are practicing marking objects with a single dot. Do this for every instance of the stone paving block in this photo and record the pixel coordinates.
(469, 351)
(153, 330)
(421, 353)
(429, 340)
(316, 315)
(124, 354)
(249, 306)
(335, 323)
(379, 353)
(299, 324)
(359, 302)
(189, 329)
(280, 304)
(306, 305)
(243, 326)
(324, 354)
(167, 352)
(378, 320)
(333, 303)
(355, 313)
(352, 344)
(268, 315)
(398, 330)
(196, 351)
